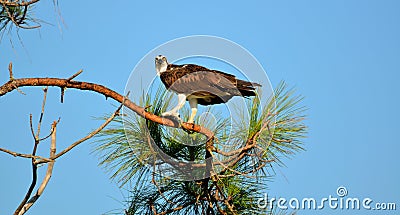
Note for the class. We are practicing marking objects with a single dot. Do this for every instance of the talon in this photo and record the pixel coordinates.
(187, 131)
(174, 117)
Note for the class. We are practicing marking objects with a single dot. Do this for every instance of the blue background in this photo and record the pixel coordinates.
(343, 56)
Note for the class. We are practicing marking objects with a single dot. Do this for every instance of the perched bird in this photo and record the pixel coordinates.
(200, 85)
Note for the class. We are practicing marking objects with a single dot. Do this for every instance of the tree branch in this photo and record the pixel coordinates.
(18, 4)
(34, 164)
(11, 17)
(13, 84)
(49, 172)
(90, 135)
(16, 154)
(10, 68)
(65, 83)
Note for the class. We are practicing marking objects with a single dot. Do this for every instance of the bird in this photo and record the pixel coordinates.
(200, 85)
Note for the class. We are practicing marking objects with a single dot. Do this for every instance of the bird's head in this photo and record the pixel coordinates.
(161, 64)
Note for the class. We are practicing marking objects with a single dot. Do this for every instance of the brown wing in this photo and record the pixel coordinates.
(208, 86)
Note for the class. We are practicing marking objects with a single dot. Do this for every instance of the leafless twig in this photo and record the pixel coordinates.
(90, 135)
(75, 75)
(16, 154)
(34, 163)
(49, 172)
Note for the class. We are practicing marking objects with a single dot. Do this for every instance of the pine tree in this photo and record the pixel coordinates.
(155, 163)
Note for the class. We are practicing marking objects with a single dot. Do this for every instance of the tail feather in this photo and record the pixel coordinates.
(247, 88)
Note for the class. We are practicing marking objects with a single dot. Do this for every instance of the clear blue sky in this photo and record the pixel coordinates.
(343, 56)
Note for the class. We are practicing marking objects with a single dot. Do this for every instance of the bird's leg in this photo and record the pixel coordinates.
(193, 107)
(174, 111)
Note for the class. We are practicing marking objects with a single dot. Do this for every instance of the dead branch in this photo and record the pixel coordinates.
(49, 172)
(75, 75)
(64, 83)
(16, 154)
(34, 164)
(41, 114)
(90, 135)
(108, 93)
(10, 71)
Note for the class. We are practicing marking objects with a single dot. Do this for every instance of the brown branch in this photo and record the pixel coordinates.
(173, 209)
(12, 18)
(232, 170)
(250, 144)
(108, 93)
(153, 209)
(16, 154)
(75, 75)
(10, 68)
(18, 4)
(49, 172)
(69, 79)
(225, 199)
(58, 82)
(10, 71)
(241, 153)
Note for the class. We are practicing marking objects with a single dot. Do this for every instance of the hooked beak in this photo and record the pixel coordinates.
(159, 61)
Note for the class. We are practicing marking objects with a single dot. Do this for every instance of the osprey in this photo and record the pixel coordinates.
(200, 85)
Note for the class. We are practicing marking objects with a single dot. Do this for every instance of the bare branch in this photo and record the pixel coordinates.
(108, 93)
(90, 135)
(16, 154)
(69, 79)
(41, 113)
(33, 183)
(49, 172)
(51, 132)
(34, 163)
(57, 82)
(75, 75)
(31, 126)
(62, 94)
(10, 71)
